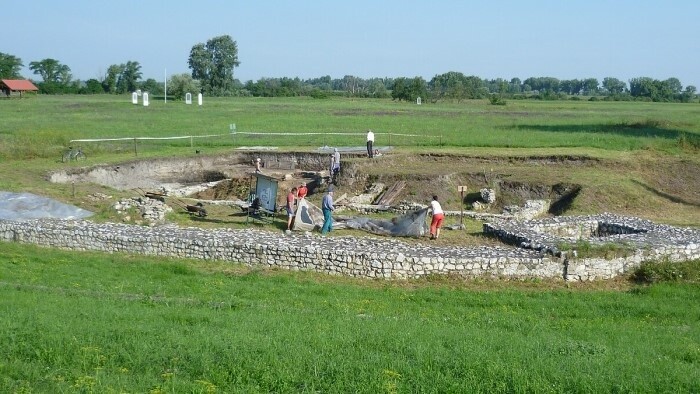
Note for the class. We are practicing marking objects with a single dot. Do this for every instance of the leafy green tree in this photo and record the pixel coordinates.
(322, 83)
(377, 89)
(456, 86)
(474, 87)
(154, 87)
(543, 84)
(181, 84)
(566, 86)
(400, 89)
(110, 81)
(673, 85)
(515, 85)
(128, 79)
(213, 64)
(590, 86)
(447, 86)
(92, 86)
(10, 66)
(688, 94)
(418, 88)
(354, 86)
(56, 77)
(290, 87)
(655, 90)
(409, 89)
(642, 87)
(614, 86)
(51, 71)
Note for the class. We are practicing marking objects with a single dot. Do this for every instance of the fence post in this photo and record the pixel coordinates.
(135, 152)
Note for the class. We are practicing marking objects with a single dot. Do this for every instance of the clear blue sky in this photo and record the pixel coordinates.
(565, 39)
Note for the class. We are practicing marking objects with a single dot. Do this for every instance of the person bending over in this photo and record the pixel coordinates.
(438, 216)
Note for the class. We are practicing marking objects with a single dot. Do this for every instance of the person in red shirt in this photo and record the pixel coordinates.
(290, 208)
(301, 193)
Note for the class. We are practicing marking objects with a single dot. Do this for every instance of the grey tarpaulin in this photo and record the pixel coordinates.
(26, 206)
(411, 224)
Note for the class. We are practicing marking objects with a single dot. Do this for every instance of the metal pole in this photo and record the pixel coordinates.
(135, 152)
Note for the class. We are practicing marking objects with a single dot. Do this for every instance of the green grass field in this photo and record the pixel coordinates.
(43, 126)
(87, 322)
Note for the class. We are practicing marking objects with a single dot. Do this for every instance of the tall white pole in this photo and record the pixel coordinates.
(165, 96)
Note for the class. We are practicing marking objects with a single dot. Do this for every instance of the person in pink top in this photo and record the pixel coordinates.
(438, 216)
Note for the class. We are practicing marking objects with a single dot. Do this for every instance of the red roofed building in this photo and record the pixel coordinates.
(12, 86)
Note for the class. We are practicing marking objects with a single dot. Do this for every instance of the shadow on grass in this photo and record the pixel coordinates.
(667, 196)
(648, 129)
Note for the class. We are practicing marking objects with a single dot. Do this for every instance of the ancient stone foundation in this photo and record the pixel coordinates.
(537, 251)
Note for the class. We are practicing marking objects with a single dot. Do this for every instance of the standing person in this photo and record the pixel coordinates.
(335, 166)
(438, 216)
(370, 143)
(302, 191)
(257, 164)
(327, 207)
(290, 208)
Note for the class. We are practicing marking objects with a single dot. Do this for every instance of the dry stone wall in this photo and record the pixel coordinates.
(535, 253)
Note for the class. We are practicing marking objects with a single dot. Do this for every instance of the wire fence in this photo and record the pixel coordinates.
(139, 145)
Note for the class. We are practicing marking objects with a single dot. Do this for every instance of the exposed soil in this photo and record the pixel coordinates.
(573, 184)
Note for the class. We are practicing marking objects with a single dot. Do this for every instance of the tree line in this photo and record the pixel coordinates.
(212, 67)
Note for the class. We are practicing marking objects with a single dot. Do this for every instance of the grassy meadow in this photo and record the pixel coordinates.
(86, 322)
(94, 323)
(643, 154)
(42, 127)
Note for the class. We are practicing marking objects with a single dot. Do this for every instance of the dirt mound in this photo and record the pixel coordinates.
(231, 189)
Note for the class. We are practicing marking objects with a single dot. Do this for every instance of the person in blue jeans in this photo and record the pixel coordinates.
(327, 207)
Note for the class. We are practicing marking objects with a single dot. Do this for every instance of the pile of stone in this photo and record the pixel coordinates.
(531, 209)
(151, 210)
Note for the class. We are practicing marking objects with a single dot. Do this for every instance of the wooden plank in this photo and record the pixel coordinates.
(390, 194)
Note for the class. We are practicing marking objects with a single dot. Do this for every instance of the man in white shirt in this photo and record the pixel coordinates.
(370, 142)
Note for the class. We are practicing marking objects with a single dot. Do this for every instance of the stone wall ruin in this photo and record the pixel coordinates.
(536, 252)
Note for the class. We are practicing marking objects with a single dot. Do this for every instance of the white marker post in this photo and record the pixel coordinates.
(134, 98)
(188, 98)
(199, 99)
(145, 99)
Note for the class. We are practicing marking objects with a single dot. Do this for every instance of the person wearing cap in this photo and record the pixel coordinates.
(370, 142)
(327, 207)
